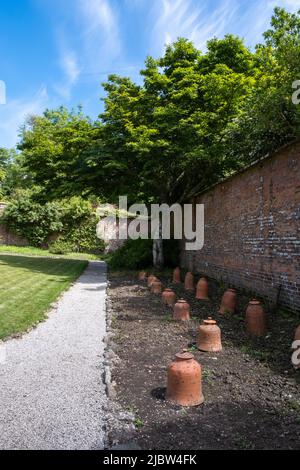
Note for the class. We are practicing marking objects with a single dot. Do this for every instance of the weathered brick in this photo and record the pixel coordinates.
(252, 228)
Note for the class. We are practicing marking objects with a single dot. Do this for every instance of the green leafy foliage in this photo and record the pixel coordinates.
(193, 119)
(60, 247)
(82, 238)
(79, 226)
(13, 177)
(268, 117)
(134, 254)
(169, 131)
(54, 147)
(33, 221)
(137, 254)
(73, 220)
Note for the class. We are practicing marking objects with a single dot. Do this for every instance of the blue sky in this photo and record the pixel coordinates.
(55, 52)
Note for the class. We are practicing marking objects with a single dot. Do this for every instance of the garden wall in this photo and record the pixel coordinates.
(108, 230)
(252, 228)
(7, 237)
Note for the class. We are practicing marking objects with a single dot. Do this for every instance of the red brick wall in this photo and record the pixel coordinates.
(8, 238)
(252, 230)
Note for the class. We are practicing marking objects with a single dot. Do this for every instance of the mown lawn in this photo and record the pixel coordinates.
(28, 285)
(32, 251)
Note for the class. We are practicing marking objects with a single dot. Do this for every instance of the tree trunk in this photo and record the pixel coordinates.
(158, 253)
(158, 249)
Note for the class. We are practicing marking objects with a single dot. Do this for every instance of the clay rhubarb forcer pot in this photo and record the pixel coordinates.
(151, 279)
(156, 287)
(169, 297)
(228, 303)
(184, 385)
(209, 336)
(176, 276)
(297, 334)
(256, 320)
(202, 289)
(189, 281)
(142, 276)
(181, 311)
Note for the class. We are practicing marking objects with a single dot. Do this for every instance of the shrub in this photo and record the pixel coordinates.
(31, 220)
(60, 247)
(134, 254)
(137, 254)
(83, 238)
(74, 219)
(75, 210)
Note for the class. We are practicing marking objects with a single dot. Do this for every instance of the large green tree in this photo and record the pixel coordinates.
(162, 141)
(54, 149)
(194, 118)
(12, 173)
(4, 159)
(269, 118)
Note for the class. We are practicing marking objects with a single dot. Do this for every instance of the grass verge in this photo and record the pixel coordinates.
(32, 251)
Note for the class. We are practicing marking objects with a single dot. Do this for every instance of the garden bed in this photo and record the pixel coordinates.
(252, 393)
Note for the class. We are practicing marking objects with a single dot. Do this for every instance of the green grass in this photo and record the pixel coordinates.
(28, 286)
(32, 251)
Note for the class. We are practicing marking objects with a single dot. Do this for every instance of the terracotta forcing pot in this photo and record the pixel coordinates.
(189, 281)
(297, 334)
(202, 289)
(209, 336)
(142, 276)
(256, 320)
(151, 279)
(156, 287)
(176, 276)
(184, 385)
(169, 297)
(228, 303)
(181, 311)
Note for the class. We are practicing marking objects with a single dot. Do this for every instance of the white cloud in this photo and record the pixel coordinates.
(255, 19)
(14, 113)
(190, 19)
(290, 5)
(198, 21)
(216, 23)
(70, 66)
(94, 47)
(71, 71)
(100, 30)
(98, 13)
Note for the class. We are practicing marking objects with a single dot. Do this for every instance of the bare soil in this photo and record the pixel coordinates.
(252, 392)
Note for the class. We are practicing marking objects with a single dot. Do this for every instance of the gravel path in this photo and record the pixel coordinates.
(51, 391)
